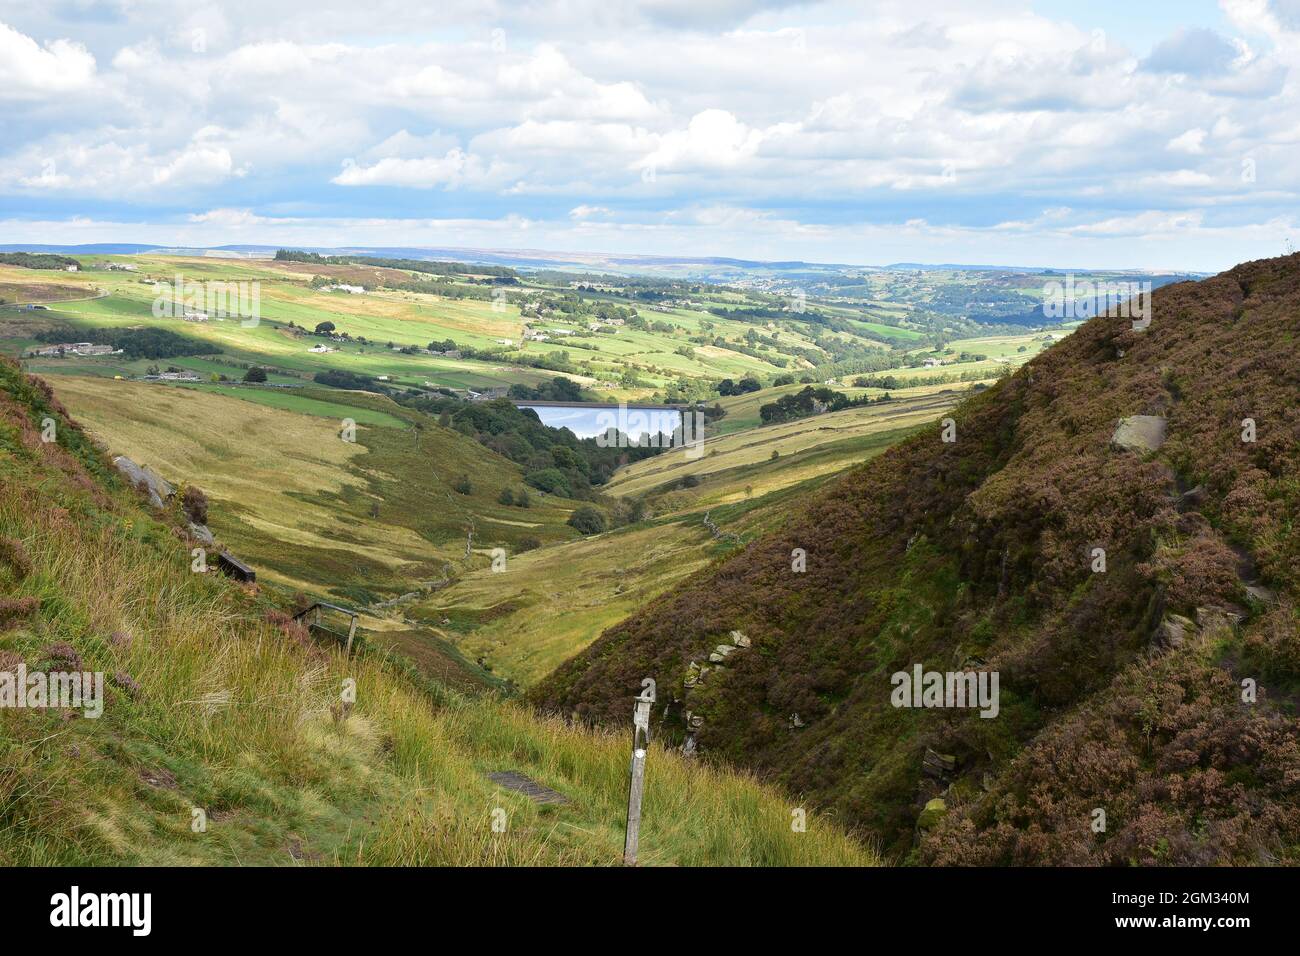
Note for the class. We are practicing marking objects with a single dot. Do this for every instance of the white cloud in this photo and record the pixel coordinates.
(28, 70)
(457, 168)
(229, 218)
(587, 212)
(712, 139)
(1191, 141)
(965, 114)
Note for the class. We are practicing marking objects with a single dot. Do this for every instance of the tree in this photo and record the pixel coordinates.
(507, 497)
(587, 520)
(324, 328)
(522, 498)
(255, 374)
(463, 485)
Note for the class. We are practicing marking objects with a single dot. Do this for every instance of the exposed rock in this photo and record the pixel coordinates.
(201, 534)
(796, 722)
(1192, 499)
(1261, 594)
(1215, 618)
(1140, 433)
(154, 486)
(739, 639)
(718, 532)
(724, 649)
(937, 765)
(1173, 631)
(934, 812)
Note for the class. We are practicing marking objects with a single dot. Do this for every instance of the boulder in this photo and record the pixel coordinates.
(739, 639)
(152, 484)
(934, 812)
(1173, 631)
(1140, 433)
(201, 534)
(1214, 618)
(936, 765)
(1192, 499)
(1261, 594)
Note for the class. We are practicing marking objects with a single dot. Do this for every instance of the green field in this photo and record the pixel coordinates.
(681, 349)
(732, 463)
(296, 500)
(548, 605)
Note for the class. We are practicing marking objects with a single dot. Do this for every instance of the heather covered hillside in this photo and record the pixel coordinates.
(1129, 598)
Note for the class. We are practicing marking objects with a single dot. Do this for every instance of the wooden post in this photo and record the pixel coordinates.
(352, 630)
(640, 741)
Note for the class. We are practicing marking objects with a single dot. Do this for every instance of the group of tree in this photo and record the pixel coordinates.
(515, 499)
(558, 389)
(143, 343)
(747, 384)
(811, 401)
(355, 381)
(554, 460)
(37, 260)
(408, 265)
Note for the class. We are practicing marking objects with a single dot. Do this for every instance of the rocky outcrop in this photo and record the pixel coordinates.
(154, 487)
(1140, 433)
(159, 492)
(1172, 632)
(934, 812)
(202, 534)
(695, 674)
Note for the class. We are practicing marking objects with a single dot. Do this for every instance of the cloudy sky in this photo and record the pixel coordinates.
(1037, 132)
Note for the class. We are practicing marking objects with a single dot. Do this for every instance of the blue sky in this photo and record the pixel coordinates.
(1101, 134)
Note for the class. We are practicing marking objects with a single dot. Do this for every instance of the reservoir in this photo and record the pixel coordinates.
(588, 421)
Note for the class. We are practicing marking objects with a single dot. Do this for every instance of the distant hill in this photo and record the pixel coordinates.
(1147, 704)
(535, 258)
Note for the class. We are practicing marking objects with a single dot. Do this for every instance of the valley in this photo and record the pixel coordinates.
(517, 571)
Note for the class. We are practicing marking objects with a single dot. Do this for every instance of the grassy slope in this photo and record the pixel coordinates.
(952, 554)
(734, 461)
(548, 605)
(213, 705)
(294, 499)
(743, 410)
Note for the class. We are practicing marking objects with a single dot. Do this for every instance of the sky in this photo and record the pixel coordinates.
(1102, 134)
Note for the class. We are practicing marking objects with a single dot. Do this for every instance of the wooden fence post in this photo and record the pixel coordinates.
(640, 741)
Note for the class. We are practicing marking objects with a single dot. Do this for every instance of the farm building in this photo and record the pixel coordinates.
(76, 348)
